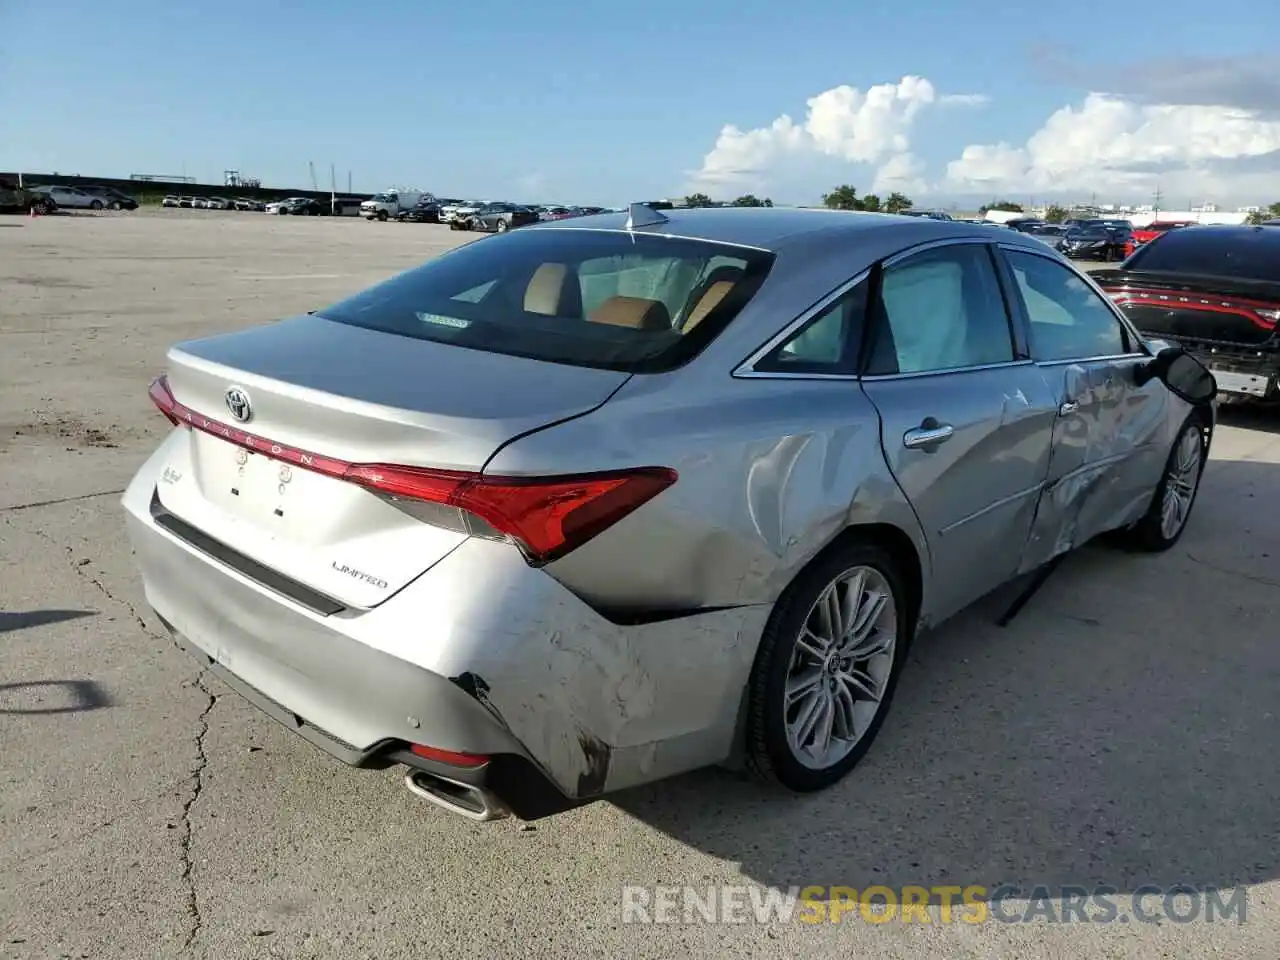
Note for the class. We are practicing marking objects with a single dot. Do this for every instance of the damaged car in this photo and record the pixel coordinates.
(611, 498)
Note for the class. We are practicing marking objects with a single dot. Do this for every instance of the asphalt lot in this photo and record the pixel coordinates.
(1122, 730)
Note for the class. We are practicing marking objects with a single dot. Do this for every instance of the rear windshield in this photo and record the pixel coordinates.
(1246, 253)
(621, 301)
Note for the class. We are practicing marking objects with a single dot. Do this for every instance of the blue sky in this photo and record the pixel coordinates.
(601, 102)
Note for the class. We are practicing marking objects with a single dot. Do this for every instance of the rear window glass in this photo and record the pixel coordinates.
(1249, 253)
(622, 301)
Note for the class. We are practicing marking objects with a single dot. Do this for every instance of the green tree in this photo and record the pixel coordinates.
(897, 203)
(1000, 205)
(697, 200)
(1267, 213)
(1055, 213)
(871, 203)
(843, 197)
(768, 202)
(751, 200)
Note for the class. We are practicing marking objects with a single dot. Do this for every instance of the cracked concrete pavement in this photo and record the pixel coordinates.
(1123, 729)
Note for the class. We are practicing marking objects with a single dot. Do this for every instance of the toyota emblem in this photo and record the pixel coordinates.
(238, 404)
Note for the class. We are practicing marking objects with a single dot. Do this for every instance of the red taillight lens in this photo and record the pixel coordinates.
(450, 757)
(547, 516)
(163, 399)
(1261, 313)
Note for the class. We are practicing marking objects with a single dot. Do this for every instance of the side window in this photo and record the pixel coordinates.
(826, 344)
(940, 310)
(1069, 321)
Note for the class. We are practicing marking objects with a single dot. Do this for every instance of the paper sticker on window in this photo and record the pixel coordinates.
(456, 322)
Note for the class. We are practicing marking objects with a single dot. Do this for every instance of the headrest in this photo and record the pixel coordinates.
(708, 294)
(543, 293)
(638, 313)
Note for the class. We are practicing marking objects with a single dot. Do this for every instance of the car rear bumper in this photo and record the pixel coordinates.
(482, 654)
(1241, 371)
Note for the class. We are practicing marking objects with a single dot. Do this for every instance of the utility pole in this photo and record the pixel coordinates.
(1157, 196)
(348, 181)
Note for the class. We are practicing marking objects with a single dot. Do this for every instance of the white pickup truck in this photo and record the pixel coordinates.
(390, 203)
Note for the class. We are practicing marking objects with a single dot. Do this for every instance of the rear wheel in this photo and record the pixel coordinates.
(826, 669)
(1166, 518)
(95, 205)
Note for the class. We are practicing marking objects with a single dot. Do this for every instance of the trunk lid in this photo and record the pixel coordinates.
(314, 387)
(1199, 308)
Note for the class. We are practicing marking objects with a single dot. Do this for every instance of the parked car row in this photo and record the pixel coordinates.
(412, 206)
(212, 203)
(82, 198)
(296, 206)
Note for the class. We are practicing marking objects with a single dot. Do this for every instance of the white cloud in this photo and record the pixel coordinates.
(903, 172)
(964, 99)
(1119, 146)
(843, 123)
(1114, 146)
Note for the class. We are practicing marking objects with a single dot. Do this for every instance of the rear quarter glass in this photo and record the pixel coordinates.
(637, 303)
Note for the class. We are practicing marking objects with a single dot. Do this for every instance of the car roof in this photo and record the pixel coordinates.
(775, 228)
(1208, 233)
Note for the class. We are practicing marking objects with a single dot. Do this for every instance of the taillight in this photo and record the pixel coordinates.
(163, 399)
(1258, 312)
(547, 517)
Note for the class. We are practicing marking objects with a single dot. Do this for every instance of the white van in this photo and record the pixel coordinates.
(391, 203)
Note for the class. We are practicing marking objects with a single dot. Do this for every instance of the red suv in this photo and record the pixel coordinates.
(1152, 230)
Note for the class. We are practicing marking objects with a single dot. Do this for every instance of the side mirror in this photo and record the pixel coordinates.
(1183, 374)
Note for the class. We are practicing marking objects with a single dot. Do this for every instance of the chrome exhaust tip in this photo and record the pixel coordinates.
(460, 798)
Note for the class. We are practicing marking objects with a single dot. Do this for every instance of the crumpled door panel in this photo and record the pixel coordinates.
(1106, 459)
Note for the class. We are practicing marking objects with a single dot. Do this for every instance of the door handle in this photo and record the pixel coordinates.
(1068, 407)
(928, 434)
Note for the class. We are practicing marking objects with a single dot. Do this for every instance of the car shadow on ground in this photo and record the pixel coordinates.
(38, 618)
(42, 697)
(1121, 730)
(1261, 417)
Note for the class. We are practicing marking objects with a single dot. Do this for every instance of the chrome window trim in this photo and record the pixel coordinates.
(1108, 357)
(947, 371)
(932, 245)
(1093, 285)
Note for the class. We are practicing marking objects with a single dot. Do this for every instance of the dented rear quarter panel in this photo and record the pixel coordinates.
(770, 471)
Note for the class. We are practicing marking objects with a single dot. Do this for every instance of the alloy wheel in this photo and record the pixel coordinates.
(1180, 483)
(841, 667)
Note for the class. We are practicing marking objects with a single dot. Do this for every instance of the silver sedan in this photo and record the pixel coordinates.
(611, 498)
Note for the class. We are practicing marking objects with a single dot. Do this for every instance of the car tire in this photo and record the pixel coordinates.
(503, 226)
(115, 204)
(95, 205)
(793, 656)
(1175, 495)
